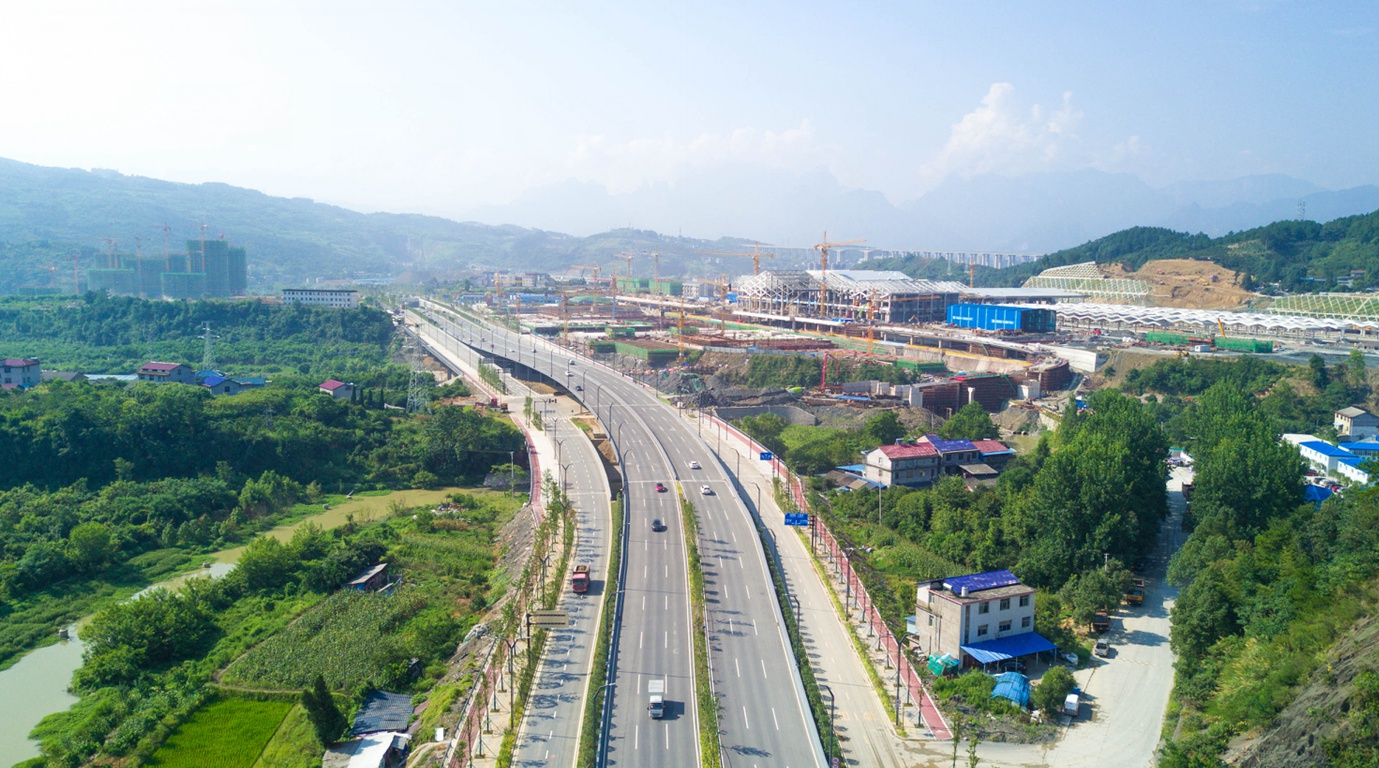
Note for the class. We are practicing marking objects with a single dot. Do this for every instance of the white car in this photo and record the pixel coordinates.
(695, 465)
(705, 490)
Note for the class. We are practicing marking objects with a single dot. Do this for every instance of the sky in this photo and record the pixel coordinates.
(440, 108)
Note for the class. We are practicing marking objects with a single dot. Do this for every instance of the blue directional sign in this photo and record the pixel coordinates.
(767, 456)
(797, 518)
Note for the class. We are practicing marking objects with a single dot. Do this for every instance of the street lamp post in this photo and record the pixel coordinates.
(847, 578)
(899, 641)
(831, 728)
(565, 476)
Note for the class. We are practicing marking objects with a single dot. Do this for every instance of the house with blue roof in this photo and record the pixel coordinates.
(980, 619)
(953, 453)
(219, 385)
(1323, 456)
(1349, 467)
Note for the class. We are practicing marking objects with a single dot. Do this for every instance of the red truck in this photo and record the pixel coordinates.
(579, 582)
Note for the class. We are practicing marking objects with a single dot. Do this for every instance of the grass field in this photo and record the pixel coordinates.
(229, 733)
(294, 745)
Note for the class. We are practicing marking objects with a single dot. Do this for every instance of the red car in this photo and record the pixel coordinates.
(660, 488)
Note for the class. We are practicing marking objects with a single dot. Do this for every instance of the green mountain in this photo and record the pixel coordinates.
(49, 214)
(1300, 256)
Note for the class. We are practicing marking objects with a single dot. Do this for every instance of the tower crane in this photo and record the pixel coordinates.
(823, 249)
(167, 247)
(756, 256)
(113, 260)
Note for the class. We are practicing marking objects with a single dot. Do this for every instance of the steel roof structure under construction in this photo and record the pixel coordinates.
(1132, 318)
(854, 294)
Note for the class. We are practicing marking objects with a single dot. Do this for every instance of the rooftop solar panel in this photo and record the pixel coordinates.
(978, 582)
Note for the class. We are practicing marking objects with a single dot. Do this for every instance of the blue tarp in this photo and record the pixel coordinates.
(1013, 686)
(1315, 493)
(977, 582)
(856, 469)
(1005, 648)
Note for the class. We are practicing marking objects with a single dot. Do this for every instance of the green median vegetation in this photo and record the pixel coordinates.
(598, 677)
(703, 687)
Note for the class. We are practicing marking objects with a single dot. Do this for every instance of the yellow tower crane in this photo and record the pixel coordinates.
(756, 256)
(823, 249)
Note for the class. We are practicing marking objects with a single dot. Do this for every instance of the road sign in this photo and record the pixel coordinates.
(766, 456)
(797, 518)
(548, 619)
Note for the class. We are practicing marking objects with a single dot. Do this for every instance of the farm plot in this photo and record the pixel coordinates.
(347, 638)
(229, 733)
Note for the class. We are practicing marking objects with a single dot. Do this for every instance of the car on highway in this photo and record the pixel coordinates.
(694, 465)
(705, 490)
(657, 525)
(571, 363)
(1103, 647)
(660, 488)
(579, 387)
(570, 374)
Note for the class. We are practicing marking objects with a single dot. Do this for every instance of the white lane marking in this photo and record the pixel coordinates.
(639, 640)
(737, 666)
(773, 718)
(744, 719)
(734, 533)
(667, 571)
(763, 669)
(667, 732)
(643, 602)
(665, 643)
(636, 736)
(666, 601)
(748, 590)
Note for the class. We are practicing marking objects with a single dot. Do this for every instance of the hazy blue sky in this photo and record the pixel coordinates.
(438, 107)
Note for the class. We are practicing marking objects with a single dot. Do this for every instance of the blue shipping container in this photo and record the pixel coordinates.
(995, 317)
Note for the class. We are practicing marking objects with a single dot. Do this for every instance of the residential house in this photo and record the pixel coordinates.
(219, 385)
(1349, 468)
(322, 297)
(337, 389)
(20, 373)
(68, 376)
(1355, 423)
(981, 618)
(370, 579)
(176, 373)
(994, 453)
(1323, 456)
(953, 453)
(910, 464)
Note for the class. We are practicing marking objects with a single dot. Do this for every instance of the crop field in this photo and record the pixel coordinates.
(342, 638)
(229, 733)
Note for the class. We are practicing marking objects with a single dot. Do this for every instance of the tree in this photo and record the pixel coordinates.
(971, 422)
(1094, 590)
(90, 546)
(1053, 689)
(1355, 370)
(321, 709)
(883, 428)
(1319, 374)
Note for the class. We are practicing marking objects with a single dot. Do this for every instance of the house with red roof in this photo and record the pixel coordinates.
(994, 453)
(337, 389)
(19, 373)
(176, 373)
(903, 463)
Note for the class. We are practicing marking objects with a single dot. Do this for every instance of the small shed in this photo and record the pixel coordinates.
(371, 579)
(382, 711)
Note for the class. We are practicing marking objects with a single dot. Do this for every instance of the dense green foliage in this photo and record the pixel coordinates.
(325, 716)
(1297, 255)
(971, 422)
(1358, 747)
(812, 450)
(805, 371)
(96, 333)
(1052, 690)
(1267, 582)
(973, 690)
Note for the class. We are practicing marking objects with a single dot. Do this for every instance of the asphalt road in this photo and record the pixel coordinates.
(763, 717)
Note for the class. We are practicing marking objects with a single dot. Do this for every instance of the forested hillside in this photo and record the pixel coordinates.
(48, 214)
(1301, 256)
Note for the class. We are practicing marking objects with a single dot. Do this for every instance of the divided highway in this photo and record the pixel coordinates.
(764, 718)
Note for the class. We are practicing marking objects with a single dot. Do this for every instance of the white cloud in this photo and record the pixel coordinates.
(624, 166)
(1000, 136)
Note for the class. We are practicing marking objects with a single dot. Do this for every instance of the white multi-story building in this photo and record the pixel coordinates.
(20, 373)
(322, 297)
(982, 618)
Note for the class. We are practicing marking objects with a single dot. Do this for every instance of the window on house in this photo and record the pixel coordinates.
(981, 630)
(1005, 604)
(1024, 622)
(931, 621)
(1024, 601)
(1003, 627)
(984, 608)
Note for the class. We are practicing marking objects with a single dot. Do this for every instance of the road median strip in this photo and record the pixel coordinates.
(703, 686)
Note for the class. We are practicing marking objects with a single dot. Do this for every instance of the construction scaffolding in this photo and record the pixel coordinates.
(883, 297)
(1085, 278)
(1343, 306)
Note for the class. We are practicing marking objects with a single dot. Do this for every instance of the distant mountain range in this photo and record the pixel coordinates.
(48, 214)
(1033, 213)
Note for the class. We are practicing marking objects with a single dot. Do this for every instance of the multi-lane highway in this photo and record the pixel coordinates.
(763, 716)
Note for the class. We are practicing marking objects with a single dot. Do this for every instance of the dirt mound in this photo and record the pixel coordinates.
(1187, 283)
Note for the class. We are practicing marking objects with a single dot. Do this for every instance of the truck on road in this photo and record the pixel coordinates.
(579, 582)
(656, 691)
(1101, 622)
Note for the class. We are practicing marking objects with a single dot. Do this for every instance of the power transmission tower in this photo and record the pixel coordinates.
(208, 353)
(418, 398)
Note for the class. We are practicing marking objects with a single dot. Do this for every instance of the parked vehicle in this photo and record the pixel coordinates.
(1101, 622)
(1072, 705)
(579, 582)
(656, 692)
(1135, 596)
(1102, 647)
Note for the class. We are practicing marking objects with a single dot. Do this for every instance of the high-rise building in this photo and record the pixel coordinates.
(209, 269)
